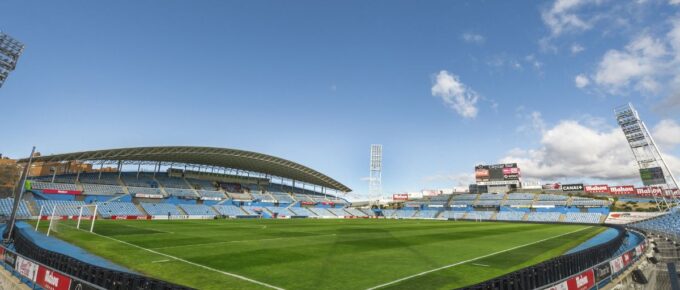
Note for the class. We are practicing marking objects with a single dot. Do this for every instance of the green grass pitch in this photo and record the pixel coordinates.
(325, 254)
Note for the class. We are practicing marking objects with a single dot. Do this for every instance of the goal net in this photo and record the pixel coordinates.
(76, 216)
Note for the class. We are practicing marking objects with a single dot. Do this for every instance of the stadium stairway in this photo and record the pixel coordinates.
(118, 197)
(562, 217)
(525, 217)
(493, 216)
(141, 209)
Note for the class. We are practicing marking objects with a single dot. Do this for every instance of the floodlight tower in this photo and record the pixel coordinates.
(653, 169)
(10, 50)
(375, 179)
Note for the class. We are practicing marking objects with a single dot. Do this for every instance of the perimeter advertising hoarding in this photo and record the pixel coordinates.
(583, 281)
(553, 186)
(600, 188)
(652, 176)
(497, 172)
(648, 191)
(51, 280)
(602, 272)
(10, 258)
(616, 264)
(400, 196)
(26, 268)
(572, 187)
(622, 190)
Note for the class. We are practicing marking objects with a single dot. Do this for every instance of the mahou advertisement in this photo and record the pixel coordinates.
(583, 281)
(602, 188)
(400, 196)
(648, 191)
(622, 190)
(52, 280)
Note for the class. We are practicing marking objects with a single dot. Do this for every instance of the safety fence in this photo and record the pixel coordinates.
(558, 269)
(40, 276)
(93, 275)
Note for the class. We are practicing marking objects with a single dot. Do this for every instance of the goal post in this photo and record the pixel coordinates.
(70, 212)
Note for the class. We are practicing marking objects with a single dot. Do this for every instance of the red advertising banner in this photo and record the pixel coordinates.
(583, 281)
(130, 217)
(622, 190)
(26, 268)
(648, 191)
(307, 203)
(601, 188)
(627, 258)
(400, 196)
(51, 280)
(57, 191)
(327, 203)
(511, 170)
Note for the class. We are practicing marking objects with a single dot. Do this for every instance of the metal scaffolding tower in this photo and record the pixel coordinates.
(654, 171)
(375, 179)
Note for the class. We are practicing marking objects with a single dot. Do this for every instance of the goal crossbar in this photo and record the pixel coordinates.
(54, 216)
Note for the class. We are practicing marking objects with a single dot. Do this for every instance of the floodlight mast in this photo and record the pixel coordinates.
(18, 194)
(653, 168)
(10, 51)
(375, 177)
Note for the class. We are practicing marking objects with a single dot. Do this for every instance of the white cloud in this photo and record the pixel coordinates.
(674, 2)
(455, 94)
(456, 179)
(531, 59)
(576, 48)
(638, 64)
(533, 122)
(562, 16)
(667, 133)
(473, 38)
(573, 150)
(581, 81)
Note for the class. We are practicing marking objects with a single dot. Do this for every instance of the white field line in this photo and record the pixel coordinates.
(241, 241)
(473, 259)
(481, 265)
(161, 261)
(192, 263)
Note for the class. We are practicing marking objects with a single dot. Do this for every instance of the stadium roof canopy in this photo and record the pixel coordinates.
(204, 156)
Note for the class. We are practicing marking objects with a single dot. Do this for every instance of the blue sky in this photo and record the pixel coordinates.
(443, 85)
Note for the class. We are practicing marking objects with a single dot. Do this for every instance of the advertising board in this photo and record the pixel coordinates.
(26, 268)
(622, 190)
(572, 187)
(52, 280)
(497, 172)
(600, 188)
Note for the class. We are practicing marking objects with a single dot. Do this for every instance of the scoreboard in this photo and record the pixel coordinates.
(497, 172)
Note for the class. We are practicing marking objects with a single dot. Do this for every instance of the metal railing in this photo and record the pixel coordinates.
(96, 275)
(556, 269)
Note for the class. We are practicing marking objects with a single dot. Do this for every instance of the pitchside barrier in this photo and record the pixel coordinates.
(80, 271)
(601, 274)
(37, 275)
(560, 269)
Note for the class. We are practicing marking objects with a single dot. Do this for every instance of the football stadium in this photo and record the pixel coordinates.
(216, 218)
(279, 145)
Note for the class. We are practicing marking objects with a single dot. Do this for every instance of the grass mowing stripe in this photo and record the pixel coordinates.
(192, 263)
(474, 259)
(243, 241)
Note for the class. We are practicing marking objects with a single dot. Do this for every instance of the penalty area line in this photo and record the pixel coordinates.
(474, 259)
(192, 263)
